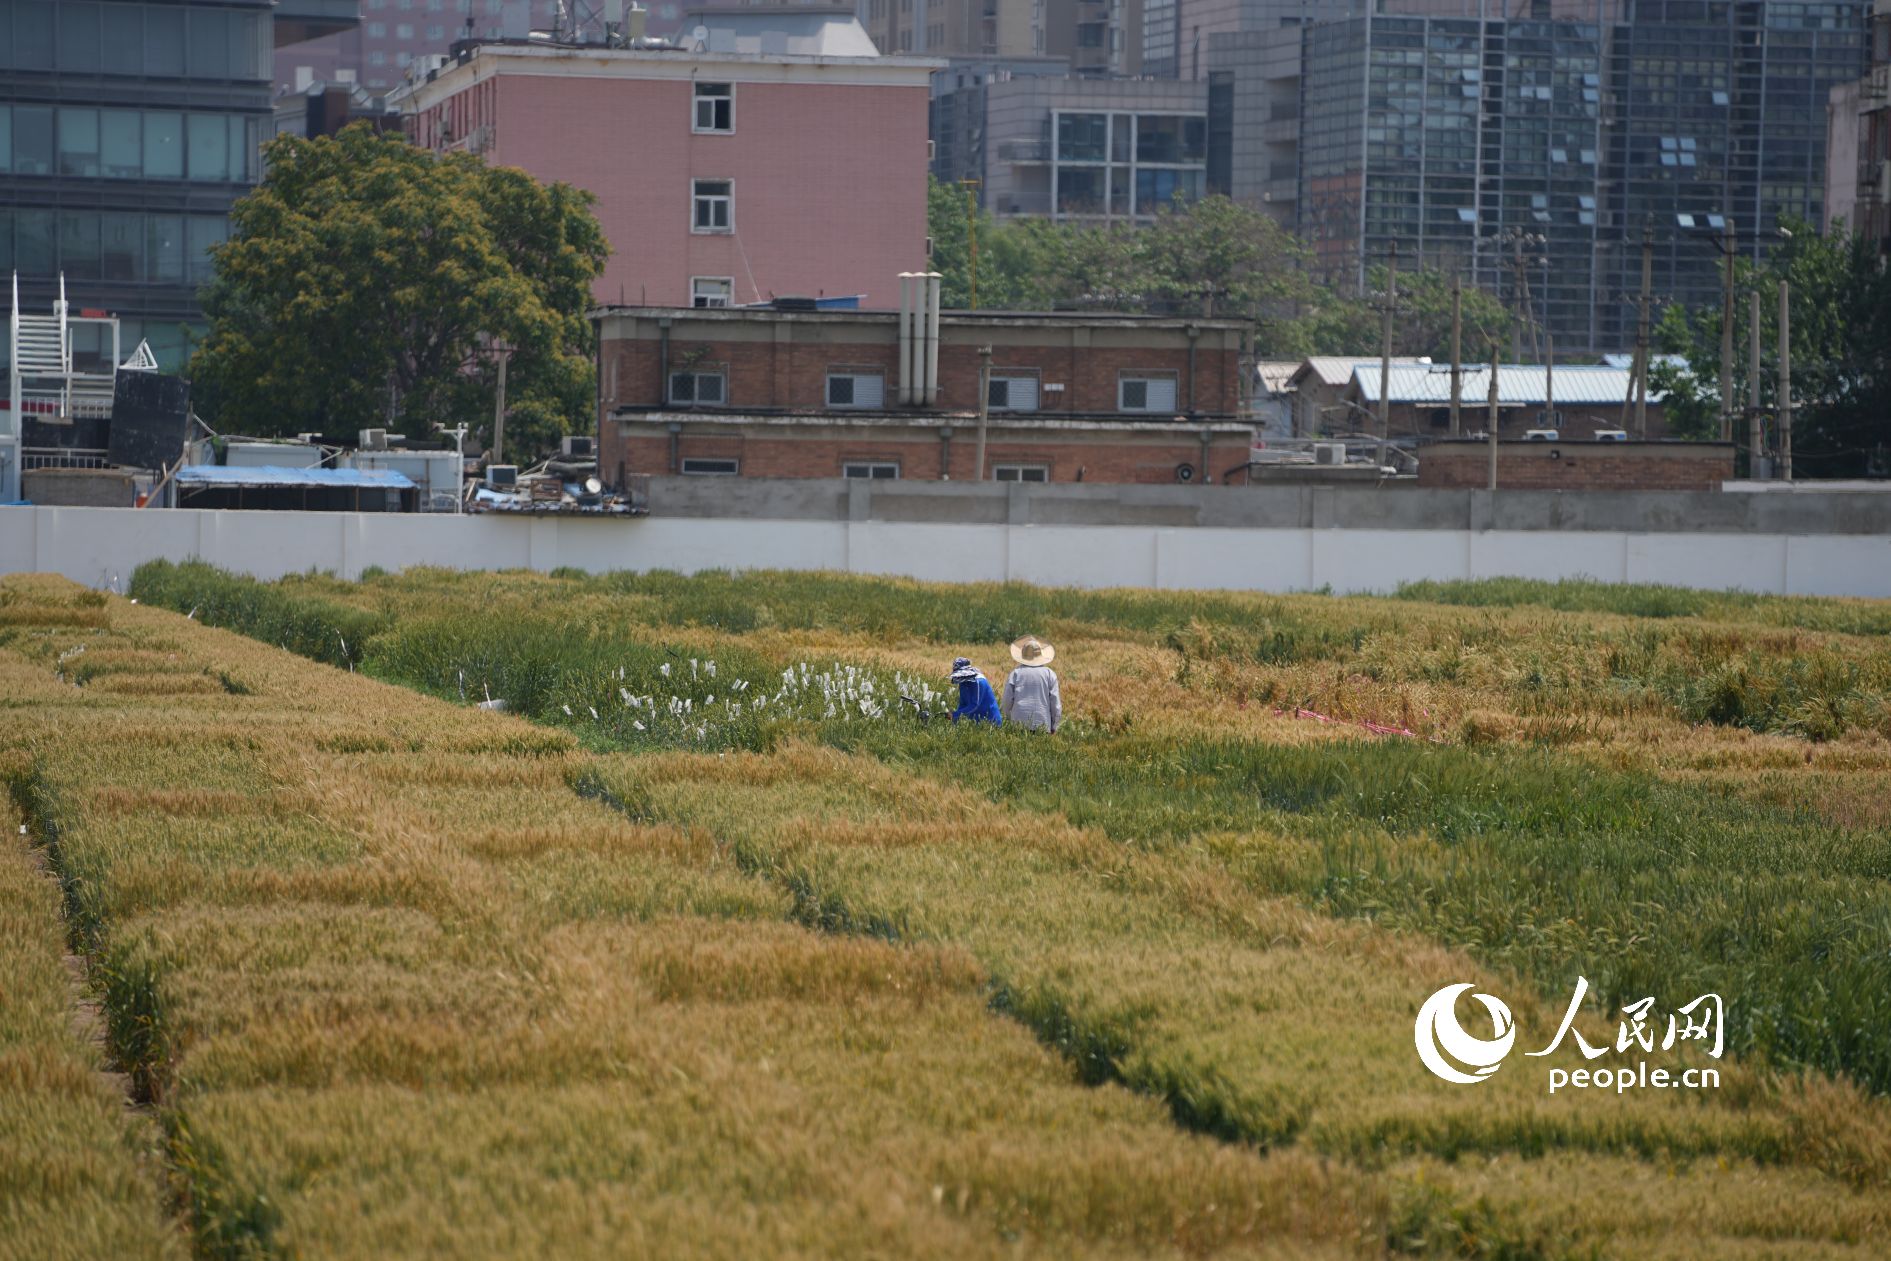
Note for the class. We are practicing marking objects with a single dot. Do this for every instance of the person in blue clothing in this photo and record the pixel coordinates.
(977, 701)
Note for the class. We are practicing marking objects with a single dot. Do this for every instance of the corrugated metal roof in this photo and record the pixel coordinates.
(1338, 369)
(1276, 375)
(275, 475)
(1518, 385)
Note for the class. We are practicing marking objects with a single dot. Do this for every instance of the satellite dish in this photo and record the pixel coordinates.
(592, 486)
(700, 34)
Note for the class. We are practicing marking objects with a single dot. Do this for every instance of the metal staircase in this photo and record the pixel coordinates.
(41, 382)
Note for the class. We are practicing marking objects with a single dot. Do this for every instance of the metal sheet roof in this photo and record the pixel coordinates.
(1338, 369)
(276, 475)
(1518, 385)
(1276, 375)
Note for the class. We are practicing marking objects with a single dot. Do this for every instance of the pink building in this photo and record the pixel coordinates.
(722, 177)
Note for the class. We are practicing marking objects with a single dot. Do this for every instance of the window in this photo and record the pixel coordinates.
(32, 140)
(711, 468)
(78, 142)
(1020, 472)
(377, 30)
(877, 470)
(696, 387)
(715, 107)
(209, 140)
(1145, 394)
(404, 30)
(1014, 392)
(707, 291)
(119, 144)
(714, 206)
(856, 389)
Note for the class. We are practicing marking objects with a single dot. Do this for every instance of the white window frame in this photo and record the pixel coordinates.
(701, 462)
(871, 469)
(696, 375)
(1146, 378)
(698, 98)
(726, 200)
(1009, 375)
(701, 301)
(1021, 472)
(852, 374)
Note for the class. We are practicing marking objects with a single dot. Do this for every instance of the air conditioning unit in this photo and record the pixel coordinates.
(502, 476)
(1884, 182)
(372, 440)
(1540, 435)
(1330, 453)
(1611, 435)
(581, 446)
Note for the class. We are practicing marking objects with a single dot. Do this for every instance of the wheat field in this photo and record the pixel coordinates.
(709, 946)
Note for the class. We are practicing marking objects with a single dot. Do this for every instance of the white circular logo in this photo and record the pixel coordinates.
(1440, 1039)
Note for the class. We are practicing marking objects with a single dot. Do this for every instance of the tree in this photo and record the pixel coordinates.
(363, 277)
(1841, 353)
(1421, 326)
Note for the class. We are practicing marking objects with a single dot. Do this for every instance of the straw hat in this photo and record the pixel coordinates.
(1032, 651)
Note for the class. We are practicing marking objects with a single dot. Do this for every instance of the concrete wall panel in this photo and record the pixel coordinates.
(1549, 556)
(101, 546)
(1234, 560)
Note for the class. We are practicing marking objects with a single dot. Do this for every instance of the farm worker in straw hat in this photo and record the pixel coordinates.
(976, 700)
(1031, 698)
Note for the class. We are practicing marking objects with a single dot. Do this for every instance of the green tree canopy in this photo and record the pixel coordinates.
(364, 276)
(1841, 354)
(1214, 257)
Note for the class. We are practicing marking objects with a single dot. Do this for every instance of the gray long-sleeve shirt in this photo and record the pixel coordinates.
(1031, 698)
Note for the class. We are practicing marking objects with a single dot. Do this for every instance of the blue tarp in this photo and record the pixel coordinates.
(275, 475)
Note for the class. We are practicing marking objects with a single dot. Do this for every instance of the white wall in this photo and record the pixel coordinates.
(101, 546)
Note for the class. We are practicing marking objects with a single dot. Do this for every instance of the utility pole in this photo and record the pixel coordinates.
(1385, 351)
(984, 408)
(971, 232)
(1493, 414)
(1726, 335)
(1785, 381)
(499, 406)
(1641, 328)
(1457, 353)
(1755, 426)
(1549, 382)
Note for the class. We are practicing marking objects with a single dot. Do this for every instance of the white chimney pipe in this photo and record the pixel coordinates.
(933, 281)
(906, 382)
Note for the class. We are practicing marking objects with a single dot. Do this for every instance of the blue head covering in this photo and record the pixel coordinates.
(963, 670)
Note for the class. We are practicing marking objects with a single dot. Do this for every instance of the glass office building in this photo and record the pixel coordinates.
(1527, 155)
(126, 133)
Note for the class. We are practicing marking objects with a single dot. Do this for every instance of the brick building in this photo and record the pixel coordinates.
(768, 392)
(1678, 466)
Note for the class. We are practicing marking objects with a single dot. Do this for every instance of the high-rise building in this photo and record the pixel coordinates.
(1099, 37)
(1858, 144)
(956, 28)
(127, 131)
(1530, 155)
(376, 52)
(1073, 147)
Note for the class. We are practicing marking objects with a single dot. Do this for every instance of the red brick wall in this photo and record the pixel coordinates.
(1100, 458)
(1578, 466)
(786, 374)
(1579, 424)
